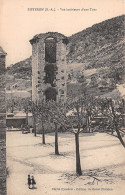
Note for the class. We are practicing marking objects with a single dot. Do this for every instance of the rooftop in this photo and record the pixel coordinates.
(2, 52)
(56, 35)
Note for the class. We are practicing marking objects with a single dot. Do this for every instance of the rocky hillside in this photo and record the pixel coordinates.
(19, 75)
(96, 52)
(100, 51)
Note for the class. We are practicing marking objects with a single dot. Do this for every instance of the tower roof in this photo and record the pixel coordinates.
(56, 35)
(2, 52)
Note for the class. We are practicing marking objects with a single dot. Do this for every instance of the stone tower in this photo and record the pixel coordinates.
(49, 66)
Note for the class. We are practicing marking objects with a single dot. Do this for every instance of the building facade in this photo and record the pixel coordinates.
(49, 66)
(2, 124)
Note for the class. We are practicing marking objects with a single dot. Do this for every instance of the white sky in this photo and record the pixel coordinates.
(18, 26)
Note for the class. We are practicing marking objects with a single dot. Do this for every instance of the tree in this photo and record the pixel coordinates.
(43, 116)
(75, 116)
(79, 108)
(90, 110)
(10, 104)
(114, 110)
(57, 115)
(116, 113)
(34, 109)
(25, 106)
(70, 116)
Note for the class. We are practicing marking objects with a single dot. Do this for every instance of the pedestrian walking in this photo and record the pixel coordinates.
(33, 182)
(29, 181)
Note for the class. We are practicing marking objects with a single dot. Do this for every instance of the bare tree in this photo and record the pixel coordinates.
(25, 106)
(43, 116)
(113, 109)
(77, 108)
(56, 112)
(34, 109)
(10, 104)
(116, 113)
(70, 116)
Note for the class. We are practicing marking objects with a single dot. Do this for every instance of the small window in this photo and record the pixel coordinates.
(61, 91)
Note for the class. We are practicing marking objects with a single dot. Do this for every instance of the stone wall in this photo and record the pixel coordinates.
(34, 71)
(62, 71)
(2, 125)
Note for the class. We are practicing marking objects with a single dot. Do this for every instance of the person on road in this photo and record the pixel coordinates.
(29, 181)
(33, 182)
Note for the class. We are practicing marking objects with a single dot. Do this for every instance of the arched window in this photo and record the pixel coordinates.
(50, 50)
(50, 61)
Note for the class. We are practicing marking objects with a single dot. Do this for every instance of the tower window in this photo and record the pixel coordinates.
(50, 50)
(51, 94)
(50, 74)
(61, 91)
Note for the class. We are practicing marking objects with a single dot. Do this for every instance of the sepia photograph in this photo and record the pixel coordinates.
(62, 97)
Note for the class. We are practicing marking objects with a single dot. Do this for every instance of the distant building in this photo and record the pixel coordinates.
(49, 66)
(18, 93)
(15, 120)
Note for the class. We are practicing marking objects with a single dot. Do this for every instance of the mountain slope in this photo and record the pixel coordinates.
(100, 48)
(19, 74)
(101, 45)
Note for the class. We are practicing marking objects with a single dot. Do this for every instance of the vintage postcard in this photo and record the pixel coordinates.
(62, 97)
